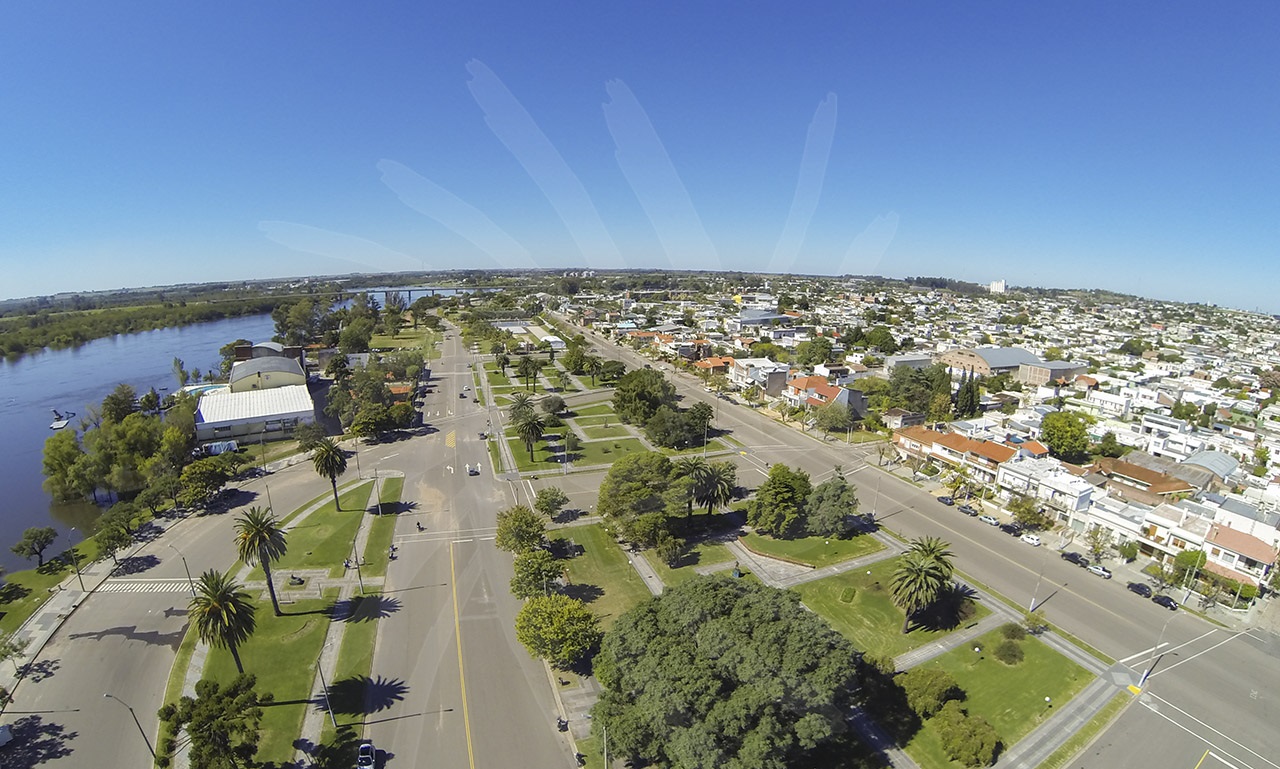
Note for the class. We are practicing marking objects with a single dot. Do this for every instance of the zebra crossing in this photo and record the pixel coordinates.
(116, 585)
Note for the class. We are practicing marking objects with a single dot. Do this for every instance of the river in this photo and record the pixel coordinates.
(71, 380)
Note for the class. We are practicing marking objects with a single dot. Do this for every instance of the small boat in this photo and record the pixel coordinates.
(61, 420)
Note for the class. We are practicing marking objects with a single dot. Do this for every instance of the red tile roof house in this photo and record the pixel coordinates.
(713, 365)
(1237, 555)
(816, 392)
(982, 459)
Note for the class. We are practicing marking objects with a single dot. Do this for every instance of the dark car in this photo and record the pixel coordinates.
(1165, 601)
(969, 511)
(1012, 529)
(1140, 589)
(1076, 558)
(948, 501)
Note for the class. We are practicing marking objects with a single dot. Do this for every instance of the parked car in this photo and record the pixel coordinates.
(365, 756)
(1165, 601)
(1031, 539)
(1011, 529)
(1100, 570)
(1140, 588)
(969, 511)
(948, 501)
(1076, 558)
(989, 519)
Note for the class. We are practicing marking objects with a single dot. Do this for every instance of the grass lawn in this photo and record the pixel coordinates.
(601, 575)
(596, 409)
(613, 431)
(870, 619)
(596, 420)
(715, 444)
(1010, 698)
(282, 654)
(381, 529)
(355, 663)
(543, 458)
(324, 538)
(497, 378)
(23, 592)
(495, 456)
(813, 551)
(607, 452)
(699, 555)
(506, 389)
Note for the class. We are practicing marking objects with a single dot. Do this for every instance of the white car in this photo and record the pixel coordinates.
(1031, 539)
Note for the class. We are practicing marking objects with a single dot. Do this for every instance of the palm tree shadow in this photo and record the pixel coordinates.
(361, 695)
(365, 608)
(956, 605)
(394, 508)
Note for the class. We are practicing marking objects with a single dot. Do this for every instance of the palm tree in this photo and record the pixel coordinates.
(521, 403)
(528, 369)
(222, 613)
(530, 427)
(716, 485)
(691, 467)
(260, 540)
(932, 547)
(497, 347)
(592, 365)
(917, 582)
(564, 380)
(502, 360)
(330, 462)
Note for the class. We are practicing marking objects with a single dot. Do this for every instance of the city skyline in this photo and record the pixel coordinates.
(1121, 148)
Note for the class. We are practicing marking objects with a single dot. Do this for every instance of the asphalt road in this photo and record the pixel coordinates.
(1214, 689)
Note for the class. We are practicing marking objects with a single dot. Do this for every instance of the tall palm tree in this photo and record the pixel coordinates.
(528, 369)
(330, 462)
(222, 613)
(497, 347)
(521, 403)
(935, 548)
(564, 380)
(502, 360)
(691, 467)
(916, 582)
(716, 484)
(260, 540)
(592, 365)
(530, 427)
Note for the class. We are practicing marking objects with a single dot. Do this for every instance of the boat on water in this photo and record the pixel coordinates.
(61, 420)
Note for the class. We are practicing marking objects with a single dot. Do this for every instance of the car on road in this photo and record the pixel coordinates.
(1140, 589)
(948, 501)
(989, 519)
(1031, 539)
(969, 511)
(365, 756)
(1012, 529)
(473, 469)
(462, 395)
(1100, 570)
(1165, 601)
(1076, 558)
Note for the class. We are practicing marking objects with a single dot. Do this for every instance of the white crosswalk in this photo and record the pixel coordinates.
(145, 586)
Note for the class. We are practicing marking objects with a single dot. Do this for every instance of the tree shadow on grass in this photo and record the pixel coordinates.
(365, 608)
(136, 564)
(584, 593)
(361, 695)
(36, 742)
(954, 607)
(339, 753)
(12, 593)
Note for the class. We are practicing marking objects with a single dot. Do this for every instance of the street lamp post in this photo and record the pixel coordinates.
(190, 581)
(327, 704)
(141, 731)
(76, 560)
(1044, 556)
(1156, 651)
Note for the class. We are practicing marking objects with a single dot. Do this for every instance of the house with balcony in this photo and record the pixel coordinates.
(769, 376)
(1173, 527)
(1238, 555)
(1046, 480)
(980, 459)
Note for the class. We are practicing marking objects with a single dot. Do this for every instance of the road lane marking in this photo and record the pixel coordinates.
(462, 676)
(1126, 660)
(1188, 730)
(1200, 653)
(451, 439)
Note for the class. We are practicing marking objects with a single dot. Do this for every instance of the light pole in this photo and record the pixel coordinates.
(1044, 556)
(1156, 651)
(359, 472)
(141, 731)
(75, 559)
(327, 704)
(190, 581)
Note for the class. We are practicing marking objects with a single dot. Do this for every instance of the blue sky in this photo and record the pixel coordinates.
(1130, 146)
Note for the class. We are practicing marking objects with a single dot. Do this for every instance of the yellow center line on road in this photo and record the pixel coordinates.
(1202, 758)
(462, 676)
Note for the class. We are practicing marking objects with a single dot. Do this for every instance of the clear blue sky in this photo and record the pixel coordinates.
(1130, 146)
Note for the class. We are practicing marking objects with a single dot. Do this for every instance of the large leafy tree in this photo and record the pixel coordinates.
(829, 506)
(635, 485)
(259, 541)
(558, 629)
(550, 501)
(520, 530)
(329, 462)
(223, 724)
(722, 673)
(534, 571)
(1065, 434)
(640, 393)
(916, 583)
(34, 542)
(222, 613)
(779, 506)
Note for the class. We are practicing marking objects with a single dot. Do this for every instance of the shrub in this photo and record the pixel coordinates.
(966, 738)
(1013, 631)
(928, 689)
(1008, 652)
(1128, 551)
